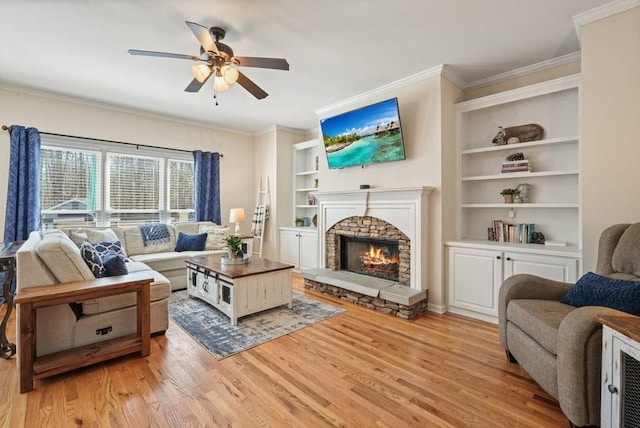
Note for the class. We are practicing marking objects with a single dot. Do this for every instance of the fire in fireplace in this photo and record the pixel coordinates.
(370, 256)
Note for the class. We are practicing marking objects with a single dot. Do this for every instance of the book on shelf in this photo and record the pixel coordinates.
(517, 166)
(521, 233)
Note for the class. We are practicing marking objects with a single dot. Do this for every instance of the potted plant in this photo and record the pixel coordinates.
(299, 222)
(234, 245)
(508, 194)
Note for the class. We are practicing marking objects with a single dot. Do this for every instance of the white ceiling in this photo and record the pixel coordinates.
(336, 49)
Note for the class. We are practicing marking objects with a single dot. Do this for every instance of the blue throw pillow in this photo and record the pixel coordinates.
(597, 290)
(114, 264)
(191, 242)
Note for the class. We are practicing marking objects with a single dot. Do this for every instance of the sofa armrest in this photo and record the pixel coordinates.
(579, 352)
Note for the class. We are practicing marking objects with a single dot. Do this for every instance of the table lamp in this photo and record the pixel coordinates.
(236, 216)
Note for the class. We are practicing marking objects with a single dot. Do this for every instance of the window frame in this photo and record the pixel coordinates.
(103, 212)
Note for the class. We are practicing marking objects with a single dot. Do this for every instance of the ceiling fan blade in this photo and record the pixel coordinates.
(275, 63)
(204, 37)
(195, 85)
(248, 84)
(164, 55)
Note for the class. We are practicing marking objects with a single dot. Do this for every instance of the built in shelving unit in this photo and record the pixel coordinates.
(477, 266)
(554, 199)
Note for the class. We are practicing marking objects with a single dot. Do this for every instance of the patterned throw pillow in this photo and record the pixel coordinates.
(596, 290)
(215, 236)
(93, 255)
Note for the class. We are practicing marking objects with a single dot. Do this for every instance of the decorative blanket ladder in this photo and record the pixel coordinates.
(260, 215)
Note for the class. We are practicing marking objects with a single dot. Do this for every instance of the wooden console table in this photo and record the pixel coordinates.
(30, 299)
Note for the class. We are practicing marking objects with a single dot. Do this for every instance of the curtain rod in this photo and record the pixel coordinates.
(8, 128)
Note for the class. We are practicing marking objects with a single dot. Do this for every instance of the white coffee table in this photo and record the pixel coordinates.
(239, 290)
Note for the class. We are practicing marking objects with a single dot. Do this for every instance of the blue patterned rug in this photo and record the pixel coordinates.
(213, 330)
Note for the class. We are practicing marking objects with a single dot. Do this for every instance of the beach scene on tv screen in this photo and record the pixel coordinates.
(367, 135)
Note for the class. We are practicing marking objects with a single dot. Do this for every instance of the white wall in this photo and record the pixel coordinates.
(610, 118)
(49, 114)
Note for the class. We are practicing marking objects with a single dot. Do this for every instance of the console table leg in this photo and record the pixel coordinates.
(7, 350)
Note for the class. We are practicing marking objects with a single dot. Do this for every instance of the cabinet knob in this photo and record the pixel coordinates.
(498, 257)
(508, 259)
(612, 389)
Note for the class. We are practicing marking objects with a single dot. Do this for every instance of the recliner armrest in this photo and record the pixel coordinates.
(579, 353)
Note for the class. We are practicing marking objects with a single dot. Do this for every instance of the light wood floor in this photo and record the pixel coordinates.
(357, 369)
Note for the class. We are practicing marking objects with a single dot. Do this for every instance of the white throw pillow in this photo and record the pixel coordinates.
(101, 235)
(215, 236)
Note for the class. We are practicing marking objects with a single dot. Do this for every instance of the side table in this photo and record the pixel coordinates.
(8, 265)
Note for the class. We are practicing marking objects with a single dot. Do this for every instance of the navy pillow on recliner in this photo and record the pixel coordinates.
(191, 242)
(597, 290)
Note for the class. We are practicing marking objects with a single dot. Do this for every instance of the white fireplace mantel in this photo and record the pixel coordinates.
(406, 208)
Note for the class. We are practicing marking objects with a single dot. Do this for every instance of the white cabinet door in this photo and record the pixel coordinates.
(474, 278)
(289, 251)
(551, 267)
(308, 250)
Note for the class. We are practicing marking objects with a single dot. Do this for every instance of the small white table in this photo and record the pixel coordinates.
(239, 290)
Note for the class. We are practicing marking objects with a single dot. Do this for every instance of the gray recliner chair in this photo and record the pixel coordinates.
(559, 345)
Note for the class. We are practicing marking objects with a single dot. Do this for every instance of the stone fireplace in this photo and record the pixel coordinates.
(373, 248)
(369, 246)
(375, 257)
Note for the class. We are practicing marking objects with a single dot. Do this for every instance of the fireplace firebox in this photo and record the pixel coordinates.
(370, 256)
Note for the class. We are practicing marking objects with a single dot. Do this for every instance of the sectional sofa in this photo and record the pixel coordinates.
(55, 257)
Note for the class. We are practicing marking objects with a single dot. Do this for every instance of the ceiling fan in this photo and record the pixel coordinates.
(217, 60)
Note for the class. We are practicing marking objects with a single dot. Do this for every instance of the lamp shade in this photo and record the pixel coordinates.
(219, 84)
(201, 72)
(230, 74)
(236, 215)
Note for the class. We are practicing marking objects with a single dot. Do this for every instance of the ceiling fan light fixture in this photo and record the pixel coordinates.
(230, 74)
(201, 72)
(219, 84)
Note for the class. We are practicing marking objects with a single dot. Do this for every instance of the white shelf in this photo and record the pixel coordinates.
(516, 205)
(508, 175)
(306, 159)
(568, 140)
(568, 251)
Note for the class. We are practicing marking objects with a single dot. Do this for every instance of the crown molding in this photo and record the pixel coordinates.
(114, 107)
(601, 12)
(276, 128)
(524, 71)
(366, 96)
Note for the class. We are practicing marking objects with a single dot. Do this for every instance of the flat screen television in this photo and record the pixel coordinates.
(364, 136)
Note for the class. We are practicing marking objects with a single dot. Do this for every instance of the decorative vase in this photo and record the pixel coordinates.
(524, 192)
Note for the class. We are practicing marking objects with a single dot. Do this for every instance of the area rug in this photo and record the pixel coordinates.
(213, 330)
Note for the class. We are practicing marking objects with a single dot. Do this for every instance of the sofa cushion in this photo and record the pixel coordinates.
(188, 242)
(160, 289)
(597, 290)
(540, 319)
(626, 257)
(164, 261)
(63, 258)
(215, 236)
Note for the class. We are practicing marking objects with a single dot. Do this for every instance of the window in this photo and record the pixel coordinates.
(113, 186)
